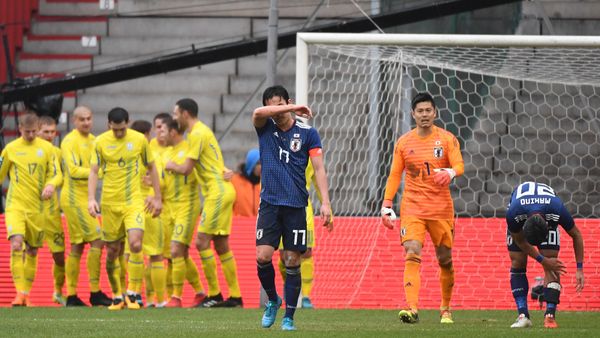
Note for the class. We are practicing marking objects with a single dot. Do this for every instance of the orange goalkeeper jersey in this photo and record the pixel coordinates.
(418, 157)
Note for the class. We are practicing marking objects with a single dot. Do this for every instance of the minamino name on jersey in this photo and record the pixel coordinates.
(534, 200)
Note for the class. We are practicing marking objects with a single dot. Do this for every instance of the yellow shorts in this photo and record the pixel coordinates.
(441, 231)
(153, 235)
(83, 228)
(218, 212)
(26, 224)
(183, 218)
(310, 228)
(54, 234)
(117, 220)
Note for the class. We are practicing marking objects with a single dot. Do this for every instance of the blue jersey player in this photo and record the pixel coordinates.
(286, 146)
(533, 216)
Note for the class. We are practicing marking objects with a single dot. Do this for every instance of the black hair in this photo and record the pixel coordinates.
(141, 126)
(188, 105)
(118, 115)
(164, 117)
(175, 125)
(536, 229)
(273, 91)
(422, 97)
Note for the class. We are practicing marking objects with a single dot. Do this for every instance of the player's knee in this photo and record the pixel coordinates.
(307, 254)
(135, 246)
(59, 258)
(32, 251)
(445, 263)
(552, 292)
(413, 258)
(16, 244)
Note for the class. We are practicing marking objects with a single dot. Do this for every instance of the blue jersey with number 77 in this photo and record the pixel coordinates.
(284, 156)
(536, 198)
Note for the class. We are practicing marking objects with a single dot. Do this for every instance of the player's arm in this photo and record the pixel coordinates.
(322, 186)
(391, 187)
(72, 162)
(551, 264)
(154, 203)
(4, 165)
(262, 114)
(567, 222)
(185, 168)
(95, 161)
(443, 176)
(54, 177)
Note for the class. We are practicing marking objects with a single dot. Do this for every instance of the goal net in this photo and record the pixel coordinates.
(524, 108)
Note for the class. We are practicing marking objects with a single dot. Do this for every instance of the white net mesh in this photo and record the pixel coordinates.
(519, 114)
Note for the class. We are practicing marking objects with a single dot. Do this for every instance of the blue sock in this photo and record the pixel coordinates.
(551, 309)
(520, 288)
(266, 275)
(552, 297)
(293, 281)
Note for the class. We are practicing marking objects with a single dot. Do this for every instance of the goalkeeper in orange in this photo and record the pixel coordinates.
(430, 158)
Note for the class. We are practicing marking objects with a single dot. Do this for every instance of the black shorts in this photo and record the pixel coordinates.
(553, 242)
(275, 222)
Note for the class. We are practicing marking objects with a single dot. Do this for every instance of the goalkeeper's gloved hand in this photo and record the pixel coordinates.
(443, 176)
(388, 216)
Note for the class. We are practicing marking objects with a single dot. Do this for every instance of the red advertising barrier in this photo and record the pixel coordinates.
(16, 18)
(360, 265)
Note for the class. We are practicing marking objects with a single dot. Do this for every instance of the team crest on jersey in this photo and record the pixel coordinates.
(295, 144)
(438, 152)
(40, 152)
(180, 153)
(129, 146)
(259, 233)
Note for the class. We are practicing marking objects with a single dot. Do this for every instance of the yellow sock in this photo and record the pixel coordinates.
(123, 271)
(307, 268)
(193, 276)
(447, 285)
(72, 271)
(93, 268)
(17, 269)
(30, 270)
(159, 279)
(282, 270)
(209, 266)
(169, 277)
(113, 270)
(136, 272)
(229, 267)
(58, 272)
(179, 272)
(148, 281)
(412, 280)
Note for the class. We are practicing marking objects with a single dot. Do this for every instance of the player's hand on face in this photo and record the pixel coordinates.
(579, 280)
(326, 217)
(442, 178)
(554, 265)
(48, 192)
(93, 208)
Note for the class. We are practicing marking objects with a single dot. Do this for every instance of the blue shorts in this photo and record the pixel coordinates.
(277, 222)
(553, 242)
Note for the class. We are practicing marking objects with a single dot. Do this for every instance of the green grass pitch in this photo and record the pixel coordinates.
(99, 322)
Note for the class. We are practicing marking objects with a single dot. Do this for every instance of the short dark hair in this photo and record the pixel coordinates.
(273, 91)
(141, 126)
(46, 120)
(189, 106)
(422, 97)
(164, 117)
(175, 125)
(536, 229)
(118, 115)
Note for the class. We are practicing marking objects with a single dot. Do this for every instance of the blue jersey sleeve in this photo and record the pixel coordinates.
(511, 222)
(313, 139)
(565, 220)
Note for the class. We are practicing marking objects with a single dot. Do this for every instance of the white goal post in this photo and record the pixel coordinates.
(523, 108)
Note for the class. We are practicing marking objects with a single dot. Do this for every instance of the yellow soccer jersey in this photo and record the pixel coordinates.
(76, 151)
(31, 166)
(121, 160)
(157, 151)
(52, 204)
(205, 150)
(179, 188)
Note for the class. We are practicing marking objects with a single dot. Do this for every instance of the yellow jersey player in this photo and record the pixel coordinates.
(181, 196)
(32, 167)
(77, 150)
(121, 152)
(219, 195)
(53, 230)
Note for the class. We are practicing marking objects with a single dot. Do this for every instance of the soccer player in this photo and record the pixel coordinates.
(153, 243)
(121, 152)
(53, 230)
(285, 148)
(215, 224)
(32, 167)
(533, 216)
(77, 148)
(181, 196)
(430, 157)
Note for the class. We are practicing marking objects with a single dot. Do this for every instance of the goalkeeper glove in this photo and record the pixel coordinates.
(443, 176)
